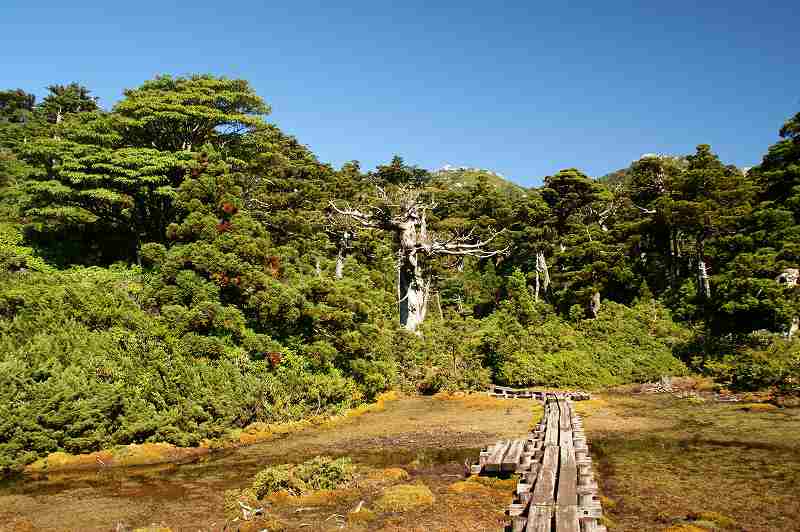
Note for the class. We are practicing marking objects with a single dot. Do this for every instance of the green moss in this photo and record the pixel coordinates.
(404, 497)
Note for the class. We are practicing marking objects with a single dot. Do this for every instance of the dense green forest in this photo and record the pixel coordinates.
(178, 267)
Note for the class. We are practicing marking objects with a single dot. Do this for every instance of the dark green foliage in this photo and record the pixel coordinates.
(398, 173)
(275, 478)
(324, 473)
(121, 170)
(66, 99)
(449, 359)
(16, 106)
(766, 363)
(184, 113)
(14, 255)
(84, 367)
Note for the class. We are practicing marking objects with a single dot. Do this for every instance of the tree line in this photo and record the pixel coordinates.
(182, 241)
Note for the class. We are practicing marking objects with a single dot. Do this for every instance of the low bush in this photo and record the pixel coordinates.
(14, 254)
(771, 362)
(84, 367)
(323, 472)
(623, 345)
(319, 473)
(276, 478)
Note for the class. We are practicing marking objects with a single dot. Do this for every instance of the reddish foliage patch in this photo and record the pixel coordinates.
(274, 265)
(274, 358)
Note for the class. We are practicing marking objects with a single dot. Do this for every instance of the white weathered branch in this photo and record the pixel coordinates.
(458, 246)
(367, 220)
(646, 211)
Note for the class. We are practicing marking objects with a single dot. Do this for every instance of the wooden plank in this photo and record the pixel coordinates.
(544, 490)
(592, 525)
(565, 415)
(532, 474)
(512, 457)
(540, 519)
(567, 491)
(485, 454)
(551, 433)
(494, 460)
(525, 461)
(518, 523)
(567, 519)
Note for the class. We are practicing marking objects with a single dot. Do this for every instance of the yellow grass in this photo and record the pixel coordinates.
(391, 473)
(470, 488)
(404, 497)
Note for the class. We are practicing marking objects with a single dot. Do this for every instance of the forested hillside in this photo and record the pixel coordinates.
(177, 267)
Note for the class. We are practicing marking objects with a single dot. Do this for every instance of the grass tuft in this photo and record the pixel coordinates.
(391, 473)
(404, 497)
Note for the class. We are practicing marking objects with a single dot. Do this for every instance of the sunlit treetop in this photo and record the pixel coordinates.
(183, 113)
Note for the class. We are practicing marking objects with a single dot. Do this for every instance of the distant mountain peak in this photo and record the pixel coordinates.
(463, 176)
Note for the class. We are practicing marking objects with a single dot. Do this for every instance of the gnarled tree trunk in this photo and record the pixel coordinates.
(594, 304)
(414, 287)
(541, 269)
(403, 213)
(340, 263)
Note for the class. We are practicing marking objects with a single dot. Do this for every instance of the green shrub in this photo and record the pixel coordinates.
(321, 472)
(621, 345)
(448, 357)
(275, 478)
(83, 367)
(14, 254)
(774, 364)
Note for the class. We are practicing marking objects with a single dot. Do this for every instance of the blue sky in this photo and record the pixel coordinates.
(523, 88)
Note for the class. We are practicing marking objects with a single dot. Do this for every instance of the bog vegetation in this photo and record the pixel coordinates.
(177, 267)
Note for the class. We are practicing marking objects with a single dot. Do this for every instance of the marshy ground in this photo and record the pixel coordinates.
(662, 462)
(661, 459)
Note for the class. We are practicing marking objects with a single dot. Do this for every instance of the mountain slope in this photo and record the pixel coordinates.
(463, 176)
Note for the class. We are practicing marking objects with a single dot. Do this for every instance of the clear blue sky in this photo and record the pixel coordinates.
(524, 88)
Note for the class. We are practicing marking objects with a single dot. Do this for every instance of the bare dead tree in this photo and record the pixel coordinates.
(340, 230)
(594, 304)
(789, 277)
(544, 272)
(702, 275)
(403, 212)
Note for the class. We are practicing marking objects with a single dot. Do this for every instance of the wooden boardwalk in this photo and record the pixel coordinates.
(505, 392)
(556, 491)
